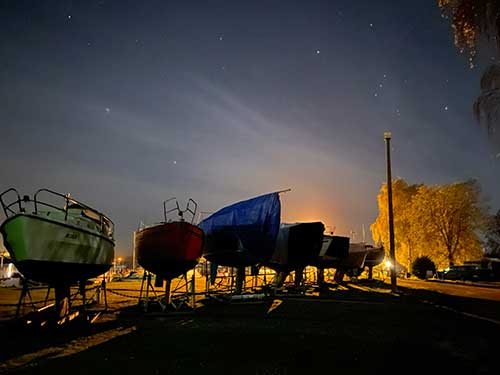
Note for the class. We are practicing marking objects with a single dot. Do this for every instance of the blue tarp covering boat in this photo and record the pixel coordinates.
(244, 233)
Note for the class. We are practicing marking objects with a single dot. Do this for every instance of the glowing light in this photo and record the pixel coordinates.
(388, 264)
(9, 270)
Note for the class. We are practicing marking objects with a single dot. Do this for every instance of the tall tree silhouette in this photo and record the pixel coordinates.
(493, 236)
(475, 21)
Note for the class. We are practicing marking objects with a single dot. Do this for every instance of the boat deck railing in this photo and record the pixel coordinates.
(18, 205)
(7, 208)
(191, 208)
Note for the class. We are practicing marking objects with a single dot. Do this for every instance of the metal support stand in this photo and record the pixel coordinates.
(146, 278)
(168, 299)
(240, 280)
(105, 294)
(25, 292)
(193, 288)
(320, 277)
(172, 299)
(61, 311)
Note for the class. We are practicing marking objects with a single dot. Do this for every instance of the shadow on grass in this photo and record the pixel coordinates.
(23, 339)
(353, 325)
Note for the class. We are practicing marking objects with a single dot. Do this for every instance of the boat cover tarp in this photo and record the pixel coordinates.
(335, 247)
(298, 245)
(259, 215)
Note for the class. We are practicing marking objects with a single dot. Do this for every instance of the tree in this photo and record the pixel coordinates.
(453, 215)
(440, 222)
(487, 105)
(404, 222)
(493, 236)
(474, 21)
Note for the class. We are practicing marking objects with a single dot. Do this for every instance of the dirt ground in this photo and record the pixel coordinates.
(358, 327)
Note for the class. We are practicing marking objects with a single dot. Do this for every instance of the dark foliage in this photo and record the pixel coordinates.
(421, 265)
(493, 236)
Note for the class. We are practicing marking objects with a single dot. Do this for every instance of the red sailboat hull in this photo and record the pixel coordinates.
(170, 249)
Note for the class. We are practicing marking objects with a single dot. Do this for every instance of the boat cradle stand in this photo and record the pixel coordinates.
(237, 286)
(64, 307)
(180, 298)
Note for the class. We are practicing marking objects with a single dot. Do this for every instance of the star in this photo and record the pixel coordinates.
(376, 94)
(445, 107)
(69, 16)
(318, 52)
(107, 110)
(174, 162)
(221, 38)
(371, 25)
(380, 85)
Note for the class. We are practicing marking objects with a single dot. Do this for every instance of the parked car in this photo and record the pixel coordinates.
(465, 272)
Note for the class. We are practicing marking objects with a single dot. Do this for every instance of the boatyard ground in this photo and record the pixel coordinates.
(427, 327)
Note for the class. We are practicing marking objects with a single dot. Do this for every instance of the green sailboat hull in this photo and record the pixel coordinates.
(50, 249)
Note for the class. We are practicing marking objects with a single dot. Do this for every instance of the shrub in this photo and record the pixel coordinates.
(421, 265)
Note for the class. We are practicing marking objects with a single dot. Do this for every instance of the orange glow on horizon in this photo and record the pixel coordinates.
(330, 226)
(313, 206)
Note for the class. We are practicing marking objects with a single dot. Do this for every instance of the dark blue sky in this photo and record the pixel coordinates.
(127, 103)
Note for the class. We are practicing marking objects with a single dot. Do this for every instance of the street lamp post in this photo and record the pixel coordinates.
(392, 252)
(133, 253)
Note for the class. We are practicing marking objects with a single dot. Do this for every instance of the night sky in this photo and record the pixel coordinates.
(124, 104)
